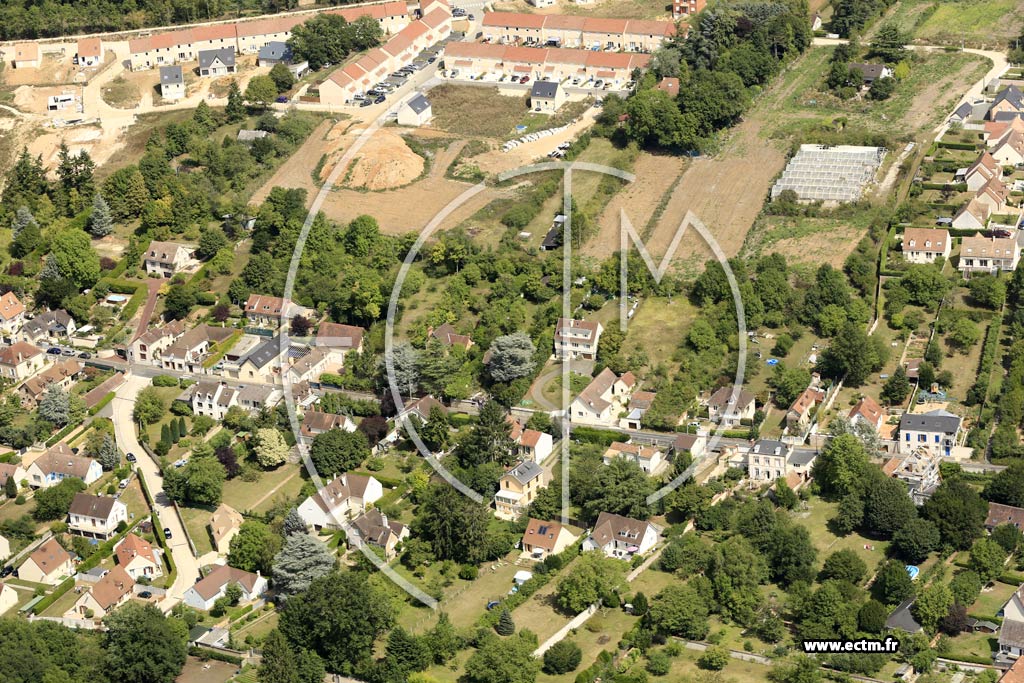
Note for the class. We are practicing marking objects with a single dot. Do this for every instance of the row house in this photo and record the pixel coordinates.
(600, 403)
(398, 51)
(268, 311)
(980, 254)
(188, 352)
(61, 374)
(570, 31)
(925, 245)
(476, 59)
(148, 346)
(212, 399)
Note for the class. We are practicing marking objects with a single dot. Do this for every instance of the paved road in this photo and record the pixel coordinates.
(127, 441)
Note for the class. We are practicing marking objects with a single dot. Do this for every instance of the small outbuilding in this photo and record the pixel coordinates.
(415, 112)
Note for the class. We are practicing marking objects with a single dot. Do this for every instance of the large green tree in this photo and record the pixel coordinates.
(958, 512)
(254, 547)
(503, 660)
(301, 560)
(679, 611)
(336, 451)
(144, 646)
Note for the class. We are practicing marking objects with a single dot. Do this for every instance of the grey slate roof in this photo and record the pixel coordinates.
(902, 619)
(276, 50)
(525, 471)
(1007, 116)
(171, 75)
(225, 54)
(963, 111)
(1011, 94)
(934, 421)
(768, 446)
(265, 352)
(544, 89)
(419, 104)
(870, 72)
(1012, 633)
(801, 457)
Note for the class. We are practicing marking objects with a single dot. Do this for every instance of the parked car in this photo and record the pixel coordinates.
(524, 79)
(145, 595)
(85, 355)
(366, 103)
(598, 83)
(167, 532)
(282, 99)
(379, 100)
(123, 484)
(130, 457)
(53, 350)
(6, 571)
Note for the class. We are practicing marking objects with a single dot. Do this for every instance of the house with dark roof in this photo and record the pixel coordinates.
(374, 528)
(902, 619)
(546, 538)
(339, 501)
(546, 96)
(871, 72)
(49, 326)
(1004, 514)
(768, 460)
(208, 590)
(274, 52)
(416, 111)
(1011, 638)
(732, 410)
(518, 487)
(692, 445)
(621, 537)
(937, 430)
(264, 363)
(1009, 99)
(219, 62)
(172, 83)
(211, 398)
(96, 516)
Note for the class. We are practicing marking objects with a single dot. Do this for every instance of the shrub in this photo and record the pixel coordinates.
(165, 381)
(714, 658)
(562, 657)
(468, 572)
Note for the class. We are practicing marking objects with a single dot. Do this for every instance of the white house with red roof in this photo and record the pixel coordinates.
(600, 403)
(339, 501)
(621, 537)
(138, 557)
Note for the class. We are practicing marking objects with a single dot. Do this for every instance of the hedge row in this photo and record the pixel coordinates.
(958, 187)
(62, 433)
(386, 482)
(603, 437)
(978, 393)
(64, 586)
(103, 403)
(158, 531)
(203, 653)
(969, 146)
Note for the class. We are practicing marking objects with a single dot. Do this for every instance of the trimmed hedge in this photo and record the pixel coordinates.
(603, 437)
(103, 403)
(387, 482)
(64, 586)
(959, 187)
(201, 653)
(62, 433)
(969, 146)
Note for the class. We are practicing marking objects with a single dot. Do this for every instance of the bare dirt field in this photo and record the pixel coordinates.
(832, 248)
(54, 70)
(625, 9)
(385, 162)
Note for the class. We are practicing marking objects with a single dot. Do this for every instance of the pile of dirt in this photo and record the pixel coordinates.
(384, 162)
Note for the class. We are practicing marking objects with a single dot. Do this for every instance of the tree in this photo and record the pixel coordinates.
(144, 646)
(341, 632)
(872, 617)
(931, 605)
(300, 326)
(562, 657)
(261, 91)
(799, 670)
(406, 363)
(11, 488)
(964, 334)
(149, 407)
(893, 585)
(444, 642)
(235, 109)
(853, 355)
(270, 447)
(125, 193)
(593, 577)
(406, 652)
(788, 383)
(715, 658)
(74, 258)
(211, 241)
(108, 454)
(253, 548)
(679, 611)
(301, 560)
(987, 559)
(53, 503)
(844, 565)
(100, 223)
(436, 433)
(915, 540)
(896, 388)
(336, 451)
(489, 440)
(882, 88)
(282, 77)
(841, 465)
(887, 507)
(889, 42)
(1007, 487)
(199, 482)
(278, 662)
(850, 514)
(958, 512)
(503, 660)
(28, 239)
(22, 219)
(987, 290)
(293, 523)
(511, 357)
(1008, 536)
(456, 527)
(505, 625)
(55, 406)
(953, 624)
(791, 555)
(621, 488)
(965, 587)
(180, 301)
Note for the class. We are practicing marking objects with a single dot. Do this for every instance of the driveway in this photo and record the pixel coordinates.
(128, 442)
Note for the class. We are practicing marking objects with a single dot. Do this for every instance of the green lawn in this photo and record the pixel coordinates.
(61, 605)
(196, 521)
(258, 629)
(992, 599)
(657, 328)
(815, 517)
(244, 495)
(974, 645)
(976, 23)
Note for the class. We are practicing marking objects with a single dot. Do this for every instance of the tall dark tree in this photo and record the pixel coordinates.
(958, 512)
(489, 440)
(144, 646)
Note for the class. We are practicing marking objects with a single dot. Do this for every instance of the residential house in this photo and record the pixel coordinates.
(12, 313)
(1009, 150)
(49, 564)
(12, 469)
(421, 408)
(1007, 100)
(962, 113)
(938, 430)
(984, 169)
(723, 407)
(5, 551)
(989, 254)
(96, 516)
(530, 444)
(339, 501)
(8, 597)
(687, 8)
(800, 415)
(59, 463)
(50, 326)
(924, 245)
(1015, 674)
(600, 403)
(255, 397)
(172, 87)
(138, 557)
(308, 363)
(447, 335)
(648, 458)
(517, 488)
(868, 411)
(693, 445)
(268, 311)
(639, 403)
(1011, 632)
(187, 352)
(1004, 514)
(670, 85)
(973, 216)
(547, 96)
(167, 258)
(577, 338)
(212, 399)
(315, 422)
(621, 537)
(220, 62)
(224, 525)
(263, 364)
(61, 374)
(800, 463)
(274, 53)
(871, 72)
(767, 460)
(104, 596)
(147, 347)
(1013, 608)
(208, 590)
(374, 528)
(994, 194)
(89, 52)
(20, 360)
(415, 112)
(546, 538)
(25, 56)
(340, 337)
